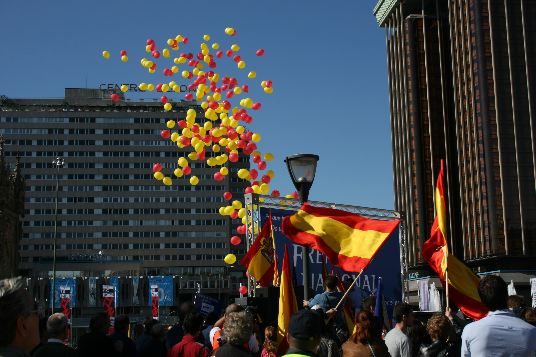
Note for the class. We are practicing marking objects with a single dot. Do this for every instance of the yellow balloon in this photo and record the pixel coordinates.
(124, 88)
(170, 123)
(142, 86)
(215, 148)
(206, 38)
(167, 181)
(106, 54)
(194, 180)
(237, 204)
(240, 129)
(165, 87)
(268, 90)
(256, 137)
(241, 213)
(150, 87)
(268, 156)
(230, 259)
(237, 90)
(252, 74)
(124, 58)
(228, 210)
(192, 156)
(168, 107)
(182, 162)
(158, 175)
(256, 189)
(165, 53)
(243, 173)
(224, 171)
(148, 48)
(185, 74)
(241, 64)
(235, 47)
(244, 220)
(199, 147)
(215, 46)
(178, 172)
(174, 137)
(229, 31)
(265, 188)
(220, 210)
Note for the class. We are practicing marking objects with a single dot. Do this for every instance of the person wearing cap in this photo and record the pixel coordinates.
(304, 334)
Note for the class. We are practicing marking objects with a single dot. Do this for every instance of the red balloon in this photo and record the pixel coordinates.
(152, 46)
(212, 64)
(165, 134)
(243, 290)
(183, 124)
(157, 167)
(229, 53)
(262, 165)
(295, 195)
(266, 179)
(219, 54)
(187, 170)
(159, 87)
(248, 190)
(269, 83)
(251, 147)
(201, 155)
(260, 52)
(200, 56)
(232, 134)
(233, 157)
(153, 67)
(213, 104)
(155, 54)
(235, 240)
(123, 53)
(115, 97)
(229, 94)
(227, 195)
(276, 193)
(184, 141)
(237, 58)
(168, 72)
(256, 106)
(245, 88)
(234, 215)
(149, 41)
(218, 176)
(185, 40)
(256, 159)
(241, 229)
(189, 96)
(163, 99)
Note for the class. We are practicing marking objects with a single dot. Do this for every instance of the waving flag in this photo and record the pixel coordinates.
(463, 283)
(287, 304)
(348, 240)
(260, 258)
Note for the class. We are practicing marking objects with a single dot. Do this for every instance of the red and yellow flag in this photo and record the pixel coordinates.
(260, 258)
(463, 283)
(287, 304)
(348, 240)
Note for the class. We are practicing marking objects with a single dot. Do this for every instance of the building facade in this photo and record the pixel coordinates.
(113, 218)
(462, 79)
(11, 212)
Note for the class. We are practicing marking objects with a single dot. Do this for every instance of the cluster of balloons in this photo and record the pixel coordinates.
(218, 134)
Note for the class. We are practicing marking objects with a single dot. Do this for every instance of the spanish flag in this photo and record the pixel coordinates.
(463, 283)
(348, 240)
(287, 304)
(260, 258)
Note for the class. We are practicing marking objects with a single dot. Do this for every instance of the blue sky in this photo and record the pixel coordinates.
(326, 59)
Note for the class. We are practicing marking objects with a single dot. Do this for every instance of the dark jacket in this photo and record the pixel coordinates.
(53, 349)
(438, 349)
(230, 350)
(123, 345)
(95, 344)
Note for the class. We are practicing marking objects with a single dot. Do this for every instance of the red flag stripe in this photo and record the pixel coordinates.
(353, 221)
(352, 264)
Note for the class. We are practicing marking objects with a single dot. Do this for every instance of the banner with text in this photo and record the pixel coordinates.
(64, 285)
(165, 290)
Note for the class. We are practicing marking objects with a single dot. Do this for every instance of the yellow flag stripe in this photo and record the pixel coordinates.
(338, 236)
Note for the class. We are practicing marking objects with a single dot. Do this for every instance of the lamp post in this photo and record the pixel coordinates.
(58, 162)
(302, 169)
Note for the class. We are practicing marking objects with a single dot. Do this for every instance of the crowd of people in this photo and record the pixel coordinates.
(317, 330)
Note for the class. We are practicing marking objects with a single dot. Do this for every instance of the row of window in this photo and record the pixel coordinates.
(164, 199)
(131, 222)
(124, 234)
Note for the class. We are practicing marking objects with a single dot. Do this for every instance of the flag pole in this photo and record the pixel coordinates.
(348, 290)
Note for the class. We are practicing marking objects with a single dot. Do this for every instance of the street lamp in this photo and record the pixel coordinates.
(302, 169)
(58, 162)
